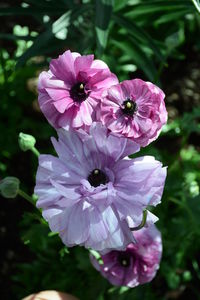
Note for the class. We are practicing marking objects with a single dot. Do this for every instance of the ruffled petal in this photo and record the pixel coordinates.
(63, 67)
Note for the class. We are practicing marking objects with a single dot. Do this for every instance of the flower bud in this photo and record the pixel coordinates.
(9, 187)
(26, 141)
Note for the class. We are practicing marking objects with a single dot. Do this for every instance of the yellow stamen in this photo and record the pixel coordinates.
(96, 171)
(128, 105)
(81, 86)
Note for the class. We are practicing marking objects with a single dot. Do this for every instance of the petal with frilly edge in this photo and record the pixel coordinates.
(143, 118)
(91, 193)
(70, 92)
(136, 265)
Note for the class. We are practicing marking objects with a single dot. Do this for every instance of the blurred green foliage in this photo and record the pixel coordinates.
(136, 38)
(134, 33)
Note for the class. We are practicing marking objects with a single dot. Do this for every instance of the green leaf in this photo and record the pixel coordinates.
(161, 6)
(119, 4)
(173, 16)
(197, 4)
(102, 20)
(46, 37)
(138, 33)
(138, 56)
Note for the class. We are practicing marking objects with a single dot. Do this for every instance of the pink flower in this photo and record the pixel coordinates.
(70, 91)
(134, 109)
(91, 194)
(138, 264)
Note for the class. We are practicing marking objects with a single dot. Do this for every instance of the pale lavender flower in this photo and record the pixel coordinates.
(91, 194)
(136, 265)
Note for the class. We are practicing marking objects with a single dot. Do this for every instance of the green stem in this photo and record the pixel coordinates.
(26, 196)
(142, 223)
(35, 151)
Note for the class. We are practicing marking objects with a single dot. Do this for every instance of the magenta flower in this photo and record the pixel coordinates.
(90, 194)
(134, 109)
(70, 91)
(138, 264)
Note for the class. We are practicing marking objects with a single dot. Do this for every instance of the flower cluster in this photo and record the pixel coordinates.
(92, 194)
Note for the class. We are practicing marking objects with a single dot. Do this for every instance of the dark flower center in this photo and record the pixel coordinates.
(77, 92)
(129, 107)
(124, 260)
(97, 177)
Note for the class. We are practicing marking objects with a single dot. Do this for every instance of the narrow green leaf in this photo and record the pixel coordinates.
(197, 4)
(138, 56)
(119, 4)
(46, 37)
(102, 20)
(138, 33)
(166, 2)
(173, 16)
(153, 7)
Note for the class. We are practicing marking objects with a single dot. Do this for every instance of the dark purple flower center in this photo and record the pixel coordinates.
(97, 177)
(78, 93)
(124, 260)
(129, 107)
